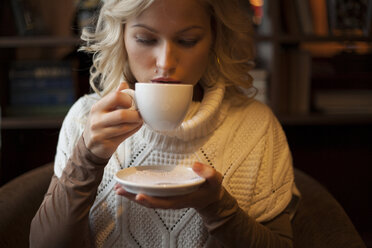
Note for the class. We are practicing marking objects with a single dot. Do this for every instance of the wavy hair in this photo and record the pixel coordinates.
(231, 55)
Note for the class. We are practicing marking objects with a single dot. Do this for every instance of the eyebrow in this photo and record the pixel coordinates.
(155, 31)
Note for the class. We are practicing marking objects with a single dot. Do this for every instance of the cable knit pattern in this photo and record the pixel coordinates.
(245, 143)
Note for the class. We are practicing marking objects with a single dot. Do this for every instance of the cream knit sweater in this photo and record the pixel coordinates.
(245, 143)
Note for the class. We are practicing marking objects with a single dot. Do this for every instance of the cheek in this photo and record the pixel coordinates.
(139, 60)
(199, 64)
(135, 54)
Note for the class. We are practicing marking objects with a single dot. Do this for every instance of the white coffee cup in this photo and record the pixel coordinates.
(162, 106)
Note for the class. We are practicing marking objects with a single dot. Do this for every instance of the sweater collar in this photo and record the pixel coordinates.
(202, 119)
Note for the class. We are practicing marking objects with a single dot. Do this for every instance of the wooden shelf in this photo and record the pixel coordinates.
(38, 41)
(291, 38)
(31, 122)
(301, 38)
(323, 119)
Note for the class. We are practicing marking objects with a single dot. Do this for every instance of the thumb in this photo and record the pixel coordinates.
(207, 172)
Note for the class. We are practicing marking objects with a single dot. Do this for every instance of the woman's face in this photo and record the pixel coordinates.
(170, 41)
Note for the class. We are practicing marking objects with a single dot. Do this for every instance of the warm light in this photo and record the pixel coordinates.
(256, 3)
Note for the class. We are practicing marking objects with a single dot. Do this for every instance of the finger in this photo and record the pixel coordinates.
(203, 170)
(117, 186)
(209, 173)
(121, 191)
(112, 138)
(132, 132)
(119, 130)
(120, 116)
(114, 135)
(142, 199)
(122, 86)
(120, 138)
(112, 101)
(159, 202)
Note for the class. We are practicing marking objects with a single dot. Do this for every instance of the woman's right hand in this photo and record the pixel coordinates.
(110, 122)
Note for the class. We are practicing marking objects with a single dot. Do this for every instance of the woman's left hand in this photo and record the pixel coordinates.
(209, 192)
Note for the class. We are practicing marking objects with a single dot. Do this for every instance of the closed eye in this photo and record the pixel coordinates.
(144, 41)
(187, 42)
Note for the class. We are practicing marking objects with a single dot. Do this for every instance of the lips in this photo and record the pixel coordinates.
(166, 81)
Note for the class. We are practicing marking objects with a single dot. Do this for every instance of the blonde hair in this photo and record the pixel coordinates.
(231, 55)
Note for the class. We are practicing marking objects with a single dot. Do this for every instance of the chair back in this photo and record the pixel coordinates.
(19, 201)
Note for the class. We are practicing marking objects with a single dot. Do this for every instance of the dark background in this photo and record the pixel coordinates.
(335, 150)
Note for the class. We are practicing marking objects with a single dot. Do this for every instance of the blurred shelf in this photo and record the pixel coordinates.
(31, 122)
(38, 41)
(311, 38)
(291, 39)
(323, 119)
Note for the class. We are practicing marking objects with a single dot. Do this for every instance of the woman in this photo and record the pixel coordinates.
(232, 141)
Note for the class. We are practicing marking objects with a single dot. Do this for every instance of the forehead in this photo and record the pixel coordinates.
(174, 13)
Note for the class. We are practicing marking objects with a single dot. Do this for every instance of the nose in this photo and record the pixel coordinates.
(166, 58)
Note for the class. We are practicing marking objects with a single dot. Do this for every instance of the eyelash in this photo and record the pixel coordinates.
(146, 42)
(185, 43)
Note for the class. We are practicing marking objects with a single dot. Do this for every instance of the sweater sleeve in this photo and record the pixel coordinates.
(63, 218)
(232, 227)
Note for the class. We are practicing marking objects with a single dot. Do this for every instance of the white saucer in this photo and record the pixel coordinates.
(159, 180)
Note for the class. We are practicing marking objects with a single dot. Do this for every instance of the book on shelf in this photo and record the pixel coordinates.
(40, 88)
(319, 16)
(290, 17)
(299, 81)
(281, 90)
(27, 17)
(37, 111)
(343, 101)
(305, 16)
(85, 13)
(301, 17)
(342, 88)
(350, 17)
(295, 82)
(334, 73)
(324, 17)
